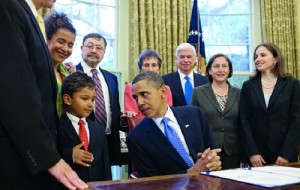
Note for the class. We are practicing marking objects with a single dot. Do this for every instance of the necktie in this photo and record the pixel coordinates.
(40, 21)
(174, 139)
(188, 90)
(100, 111)
(83, 135)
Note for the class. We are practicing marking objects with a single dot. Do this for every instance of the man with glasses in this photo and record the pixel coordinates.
(107, 107)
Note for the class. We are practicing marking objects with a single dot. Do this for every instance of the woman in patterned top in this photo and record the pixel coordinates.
(219, 101)
(60, 40)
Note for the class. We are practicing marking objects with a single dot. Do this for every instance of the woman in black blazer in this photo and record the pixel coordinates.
(270, 110)
(219, 101)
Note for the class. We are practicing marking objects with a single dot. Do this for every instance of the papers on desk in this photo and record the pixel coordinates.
(268, 176)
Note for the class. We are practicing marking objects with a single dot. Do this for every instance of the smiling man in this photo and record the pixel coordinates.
(170, 140)
(185, 79)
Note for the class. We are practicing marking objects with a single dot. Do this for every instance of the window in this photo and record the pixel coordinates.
(228, 28)
(92, 16)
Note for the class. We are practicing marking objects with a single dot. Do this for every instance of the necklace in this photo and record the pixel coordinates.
(218, 93)
(268, 85)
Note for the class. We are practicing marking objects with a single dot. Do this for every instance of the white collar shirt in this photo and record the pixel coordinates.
(75, 120)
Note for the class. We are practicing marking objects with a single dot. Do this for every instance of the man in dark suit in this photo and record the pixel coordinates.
(28, 115)
(186, 60)
(151, 151)
(93, 50)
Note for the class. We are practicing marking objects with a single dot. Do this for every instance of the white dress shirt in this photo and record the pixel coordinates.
(172, 121)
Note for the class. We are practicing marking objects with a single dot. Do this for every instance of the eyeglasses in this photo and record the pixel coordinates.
(91, 47)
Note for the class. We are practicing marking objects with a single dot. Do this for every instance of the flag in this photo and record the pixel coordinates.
(196, 39)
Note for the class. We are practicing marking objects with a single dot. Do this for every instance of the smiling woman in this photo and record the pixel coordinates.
(60, 40)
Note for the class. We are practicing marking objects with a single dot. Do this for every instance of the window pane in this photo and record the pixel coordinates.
(91, 16)
(225, 26)
(239, 56)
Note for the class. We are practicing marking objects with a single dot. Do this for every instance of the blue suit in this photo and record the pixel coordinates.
(173, 81)
(113, 139)
(154, 155)
(100, 168)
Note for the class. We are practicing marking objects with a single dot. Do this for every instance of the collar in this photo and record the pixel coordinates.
(75, 119)
(87, 69)
(169, 115)
(190, 75)
(32, 7)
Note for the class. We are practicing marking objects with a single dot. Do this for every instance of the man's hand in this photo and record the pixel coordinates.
(129, 114)
(70, 67)
(280, 160)
(207, 161)
(257, 160)
(65, 175)
(81, 157)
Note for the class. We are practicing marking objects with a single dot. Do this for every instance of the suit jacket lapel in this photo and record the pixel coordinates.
(92, 132)
(156, 137)
(277, 89)
(178, 87)
(230, 99)
(209, 93)
(67, 126)
(45, 48)
(186, 130)
(259, 93)
(197, 80)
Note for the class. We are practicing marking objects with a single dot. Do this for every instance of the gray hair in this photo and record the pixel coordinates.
(185, 46)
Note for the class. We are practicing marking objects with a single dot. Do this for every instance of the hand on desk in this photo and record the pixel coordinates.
(280, 160)
(257, 160)
(207, 161)
(65, 175)
(81, 157)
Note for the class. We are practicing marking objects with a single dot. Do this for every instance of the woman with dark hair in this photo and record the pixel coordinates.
(219, 101)
(60, 40)
(270, 110)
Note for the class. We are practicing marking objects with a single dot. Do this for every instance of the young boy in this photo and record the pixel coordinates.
(84, 144)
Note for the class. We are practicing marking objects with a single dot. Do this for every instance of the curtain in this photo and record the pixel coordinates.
(280, 26)
(159, 25)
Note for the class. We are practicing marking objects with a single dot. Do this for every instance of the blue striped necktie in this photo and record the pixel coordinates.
(174, 139)
(100, 112)
(188, 90)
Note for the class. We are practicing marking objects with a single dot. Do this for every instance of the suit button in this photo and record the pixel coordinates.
(222, 129)
(222, 117)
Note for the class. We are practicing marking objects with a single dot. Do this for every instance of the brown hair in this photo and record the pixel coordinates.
(278, 69)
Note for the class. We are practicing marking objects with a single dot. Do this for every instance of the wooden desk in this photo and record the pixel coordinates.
(182, 181)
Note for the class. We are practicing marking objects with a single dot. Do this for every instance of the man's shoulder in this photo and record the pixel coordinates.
(200, 76)
(186, 108)
(108, 73)
(140, 128)
(169, 75)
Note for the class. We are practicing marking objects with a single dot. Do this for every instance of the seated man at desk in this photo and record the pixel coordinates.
(169, 140)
